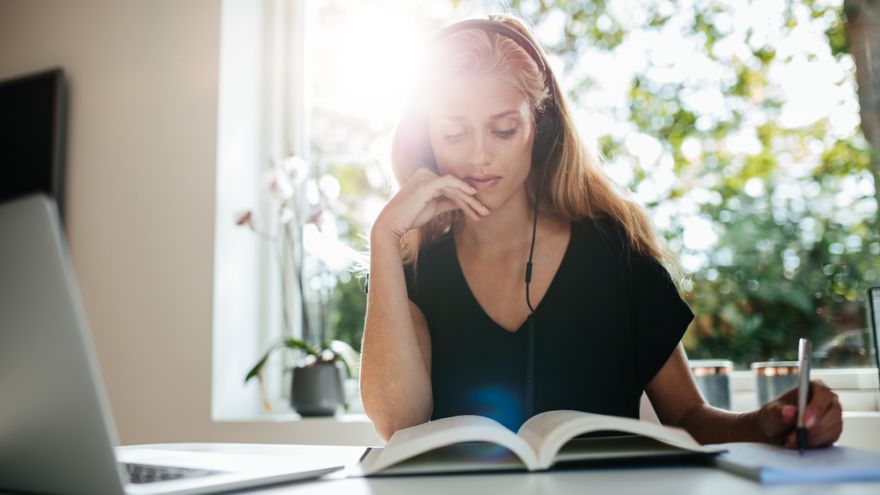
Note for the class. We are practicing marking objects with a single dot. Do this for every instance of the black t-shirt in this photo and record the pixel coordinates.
(608, 322)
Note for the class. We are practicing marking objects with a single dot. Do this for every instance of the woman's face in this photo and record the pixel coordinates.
(481, 132)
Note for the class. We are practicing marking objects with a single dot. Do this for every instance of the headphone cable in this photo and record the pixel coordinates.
(531, 253)
(530, 327)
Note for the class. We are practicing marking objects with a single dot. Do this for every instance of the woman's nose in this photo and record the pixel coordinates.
(481, 152)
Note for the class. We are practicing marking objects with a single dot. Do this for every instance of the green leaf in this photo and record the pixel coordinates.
(344, 352)
(292, 343)
(259, 366)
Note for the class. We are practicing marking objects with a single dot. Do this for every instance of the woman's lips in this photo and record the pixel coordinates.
(482, 184)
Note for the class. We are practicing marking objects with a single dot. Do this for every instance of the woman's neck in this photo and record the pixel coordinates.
(507, 229)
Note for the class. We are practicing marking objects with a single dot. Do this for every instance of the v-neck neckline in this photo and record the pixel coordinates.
(553, 282)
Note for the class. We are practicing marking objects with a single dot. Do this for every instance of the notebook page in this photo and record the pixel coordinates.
(772, 464)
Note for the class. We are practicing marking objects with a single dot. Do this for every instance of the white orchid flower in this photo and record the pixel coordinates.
(277, 185)
(286, 214)
(296, 169)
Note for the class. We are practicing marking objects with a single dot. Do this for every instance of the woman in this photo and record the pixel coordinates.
(493, 173)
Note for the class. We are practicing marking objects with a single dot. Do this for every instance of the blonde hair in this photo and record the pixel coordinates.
(574, 187)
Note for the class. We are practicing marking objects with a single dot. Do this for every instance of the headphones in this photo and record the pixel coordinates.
(547, 126)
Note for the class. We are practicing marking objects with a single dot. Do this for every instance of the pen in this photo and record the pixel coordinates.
(804, 352)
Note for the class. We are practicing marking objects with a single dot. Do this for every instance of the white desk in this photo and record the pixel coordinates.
(619, 481)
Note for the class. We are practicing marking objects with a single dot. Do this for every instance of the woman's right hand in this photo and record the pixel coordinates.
(424, 196)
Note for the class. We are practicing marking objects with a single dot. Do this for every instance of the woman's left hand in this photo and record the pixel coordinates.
(823, 418)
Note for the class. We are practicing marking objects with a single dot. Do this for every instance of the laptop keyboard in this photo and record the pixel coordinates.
(145, 473)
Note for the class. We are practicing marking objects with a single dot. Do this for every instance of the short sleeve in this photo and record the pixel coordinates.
(661, 315)
(409, 279)
(409, 276)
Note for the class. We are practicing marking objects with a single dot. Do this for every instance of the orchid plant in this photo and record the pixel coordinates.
(297, 217)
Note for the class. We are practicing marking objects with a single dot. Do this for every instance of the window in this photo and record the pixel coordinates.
(735, 124)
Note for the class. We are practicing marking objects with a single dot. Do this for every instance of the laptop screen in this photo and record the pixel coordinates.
(874, 321)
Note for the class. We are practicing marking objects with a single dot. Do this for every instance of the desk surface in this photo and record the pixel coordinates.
(621, 480)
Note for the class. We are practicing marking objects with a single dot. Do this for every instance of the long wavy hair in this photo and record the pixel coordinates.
(573, 188)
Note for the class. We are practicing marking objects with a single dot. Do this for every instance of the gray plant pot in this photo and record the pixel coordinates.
(316, 390)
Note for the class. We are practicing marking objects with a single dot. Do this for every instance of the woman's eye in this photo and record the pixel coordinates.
(506, 133)
(453, 137)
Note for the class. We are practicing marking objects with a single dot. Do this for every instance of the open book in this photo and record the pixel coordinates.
(476, 443)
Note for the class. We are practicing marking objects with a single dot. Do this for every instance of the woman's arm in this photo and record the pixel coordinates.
(396, 351)
(678, 402)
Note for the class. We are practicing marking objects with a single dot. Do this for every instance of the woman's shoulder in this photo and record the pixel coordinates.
(603, 229)
(606, 240)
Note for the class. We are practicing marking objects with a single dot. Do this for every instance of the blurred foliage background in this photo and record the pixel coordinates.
(735, 123)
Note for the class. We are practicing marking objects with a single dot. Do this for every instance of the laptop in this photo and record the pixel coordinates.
(56, 431)
(873, 305)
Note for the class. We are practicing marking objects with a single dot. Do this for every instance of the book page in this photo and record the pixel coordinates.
(410, 442)
(546, 433)
(464, 457)
(607, 448)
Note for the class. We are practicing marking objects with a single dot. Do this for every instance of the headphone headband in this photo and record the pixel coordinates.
(504, 30)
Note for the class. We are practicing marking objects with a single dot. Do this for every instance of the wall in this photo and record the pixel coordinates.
(142, 155)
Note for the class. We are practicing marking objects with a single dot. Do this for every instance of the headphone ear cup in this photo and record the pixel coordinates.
(546, 135)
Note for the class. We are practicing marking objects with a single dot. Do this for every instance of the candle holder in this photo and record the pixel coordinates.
(713, 379)
(773, 378)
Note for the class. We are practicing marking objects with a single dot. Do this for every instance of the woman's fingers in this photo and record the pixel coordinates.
(822, 418)
(820, 398)
(789, 397)
(446, 200)
(776, 420)
(460, 199)
(448, 183)
(825, 432)
(474, 203)
(440, 182)
(453, 181)
(445, 204)
(827, 426)
(424, 196)
(461, 193)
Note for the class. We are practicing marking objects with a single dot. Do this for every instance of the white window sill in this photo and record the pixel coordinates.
(856, 387)
(836, 378)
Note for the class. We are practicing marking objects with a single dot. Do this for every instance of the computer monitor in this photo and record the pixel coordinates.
(33, 114)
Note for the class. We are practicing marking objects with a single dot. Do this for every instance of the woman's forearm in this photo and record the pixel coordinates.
(395, 382)
(711, 425)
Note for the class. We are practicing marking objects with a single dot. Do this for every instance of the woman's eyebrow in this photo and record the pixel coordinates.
(493, 117)
(504, 114)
